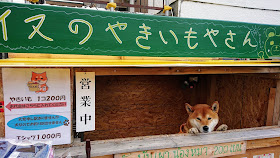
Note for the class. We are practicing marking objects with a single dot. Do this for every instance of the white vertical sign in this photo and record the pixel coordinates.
(85, 101)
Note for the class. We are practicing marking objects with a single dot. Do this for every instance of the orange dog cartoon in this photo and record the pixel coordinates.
(40, 79)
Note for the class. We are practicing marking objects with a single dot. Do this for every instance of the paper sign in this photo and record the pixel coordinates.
(85, 101)
(271, 155)
(204, 151)
(55, 127)
(37, 104)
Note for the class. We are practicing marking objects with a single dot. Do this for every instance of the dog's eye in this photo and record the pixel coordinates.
(209, 118)
(198, 119)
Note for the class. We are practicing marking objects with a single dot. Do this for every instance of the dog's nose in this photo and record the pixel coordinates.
(205, 128)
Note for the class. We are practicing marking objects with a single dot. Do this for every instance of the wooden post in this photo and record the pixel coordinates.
(2, 117)
(277, 105)
(88, 148)
(271, 103)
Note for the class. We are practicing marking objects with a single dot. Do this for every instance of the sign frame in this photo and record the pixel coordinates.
(61, 30)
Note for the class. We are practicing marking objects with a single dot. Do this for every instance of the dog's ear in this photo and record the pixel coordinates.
(270, 32)
(215, 107)
(189, 108)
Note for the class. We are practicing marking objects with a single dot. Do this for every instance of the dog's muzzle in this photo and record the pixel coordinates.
(205, 129)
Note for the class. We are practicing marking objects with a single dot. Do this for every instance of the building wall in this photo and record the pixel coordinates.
(257, 11)
(13, 1)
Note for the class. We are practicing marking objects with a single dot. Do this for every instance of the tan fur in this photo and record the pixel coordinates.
(202, 118)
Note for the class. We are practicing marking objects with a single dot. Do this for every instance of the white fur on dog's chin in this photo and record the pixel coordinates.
(213, 124)
(196, 124)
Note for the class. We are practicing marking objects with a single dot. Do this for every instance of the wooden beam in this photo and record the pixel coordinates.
(177, 70)
(205, 151)
(75, 56)
(125, 145)
(277, 105)
(263, 143)
(72, 79)
(252, 145)
(271, 103)
(2, 116)
(265, 76)
(212, 90)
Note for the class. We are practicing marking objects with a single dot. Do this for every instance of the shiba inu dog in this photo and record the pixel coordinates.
(202, 118)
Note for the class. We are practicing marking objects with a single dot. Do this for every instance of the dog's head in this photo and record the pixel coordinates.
(272, 43)
(203, 117)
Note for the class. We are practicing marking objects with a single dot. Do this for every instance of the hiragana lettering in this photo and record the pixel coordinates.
(189, 38)
(77, 28)
(146, 33)
(248, 40)
(214, 32)
(231, 39)
(164, 41)
(3, 22)
(174, 35)
(36, 29)
(121, 26)
(161, 37)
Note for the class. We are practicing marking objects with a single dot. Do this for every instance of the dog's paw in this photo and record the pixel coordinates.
(193, 130)
(223, 127)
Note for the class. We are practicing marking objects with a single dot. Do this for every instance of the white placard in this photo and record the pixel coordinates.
(37, 104)
(271, 155)
(60, 134)
(85, 101)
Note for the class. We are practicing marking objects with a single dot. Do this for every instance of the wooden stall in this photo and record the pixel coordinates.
(139, 109)
(139, 99)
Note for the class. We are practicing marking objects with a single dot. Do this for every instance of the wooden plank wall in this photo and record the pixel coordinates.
(243, 100)
(229, 94)
(249, 153)
(255, 101)
(128, 106)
